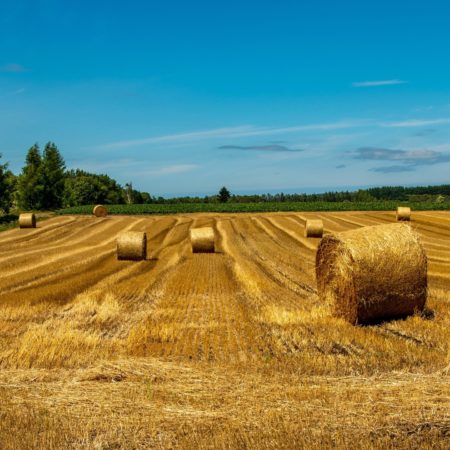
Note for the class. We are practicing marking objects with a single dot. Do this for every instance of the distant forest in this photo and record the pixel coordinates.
(46, 184)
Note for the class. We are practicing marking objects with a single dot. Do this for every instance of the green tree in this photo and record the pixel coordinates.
(53, 177)
(224, 195)
(363, 196)
(84, 188)
(30, 186)
(146, 198)
(81, 190)
(6, 187)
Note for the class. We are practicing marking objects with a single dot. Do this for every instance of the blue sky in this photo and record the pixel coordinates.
(184, 97)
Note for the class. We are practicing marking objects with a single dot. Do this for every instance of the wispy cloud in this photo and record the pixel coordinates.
(136, 167)
(13, 93)
(409, 158)
(378, 83)
(386, 154)
(181, 137)
(173, 169)
(341, 166)
(233, 132)
(265, 148)
(93, 165)
(424, 108)
(425, 132)
(393, 169)
(417, 123)
(13, 68)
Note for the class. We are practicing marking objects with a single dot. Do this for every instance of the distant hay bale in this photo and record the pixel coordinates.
(372, 273)
(100, 211)
(403, 213)
(202, 240)
(314, 228)
(27, 220)
(132, 245)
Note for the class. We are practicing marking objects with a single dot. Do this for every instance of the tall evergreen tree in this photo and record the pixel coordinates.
(5, 188)
(224, 195)
(30, 184)
(53, 176)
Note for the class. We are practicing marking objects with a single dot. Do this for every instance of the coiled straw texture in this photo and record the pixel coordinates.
(403, 213)
(372, 273)
(132, 245)
(100, 211)
(314, 228)
(27, 220)
(202, 240)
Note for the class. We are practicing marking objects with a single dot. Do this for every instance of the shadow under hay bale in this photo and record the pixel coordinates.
(202, 240)
(314, 228)
(132, 246)
(372, 273)
(27, 220)
(100, 211)
(403, 213)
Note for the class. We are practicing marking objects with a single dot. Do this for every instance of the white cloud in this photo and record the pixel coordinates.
(195, 135)
(170, 170)
(377, 83)
(416, 123)
(13, 68)
(97, 166)
(13, 93)
(234, 132)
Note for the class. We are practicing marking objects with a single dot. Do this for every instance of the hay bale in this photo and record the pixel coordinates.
(403, 213)
(202, 240)
(27, 220)
(132, 245)
(314, 228)
(372, 273)
(100, 211)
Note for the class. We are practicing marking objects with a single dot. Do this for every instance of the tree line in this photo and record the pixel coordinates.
(398, 193)
(46, 184)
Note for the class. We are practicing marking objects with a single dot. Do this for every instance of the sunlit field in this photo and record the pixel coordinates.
(225, 350)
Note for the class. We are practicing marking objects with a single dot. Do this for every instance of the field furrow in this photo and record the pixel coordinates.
(86, 336)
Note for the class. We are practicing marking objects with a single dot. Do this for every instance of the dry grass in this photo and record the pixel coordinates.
(225, 350)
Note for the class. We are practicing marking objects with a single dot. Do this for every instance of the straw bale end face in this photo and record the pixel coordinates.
(100, 211)
(27, 220)
(372, 273)
(403, 214)
(202, 240)
(314, 228)
(132, 246)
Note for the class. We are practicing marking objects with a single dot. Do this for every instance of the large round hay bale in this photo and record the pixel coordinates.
(314, 228)
(100, 211)
(132, 245)
(202, 240)
(27, 220)
(403, 213)
(372, 273)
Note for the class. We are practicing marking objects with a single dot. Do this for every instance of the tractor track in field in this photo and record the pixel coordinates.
(253, 300)
(186, 350)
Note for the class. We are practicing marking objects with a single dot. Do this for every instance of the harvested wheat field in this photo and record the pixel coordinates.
(231, 349)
